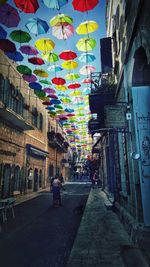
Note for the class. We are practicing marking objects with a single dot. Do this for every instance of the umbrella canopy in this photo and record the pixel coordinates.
(37, 26)
(86, 44)
(24, 69)
(7, 46)
(51, 57)
(40, 73)
(55, 68)
(35, 86)
(65, 100)
(15, 56)
(50, 108)
(29, 78)
(86, 70)
(69, 65)
(72, 76)
(58, 106)
(84, 5)
(87, 57)
(27, 6)
(36, 60)
(45, 82)
(75, 93)
(60, 19)
(45, 44)
(9, 16)
(3, 33)
(55, 101)
(28, 50)
(62, 32)
(55, 4)
(61, 87)
(74, 85)
(40, 94)
(58, 81)
(49, 90)
(20, 36)
(53, 96)
(68, 55)
(87, 27)
(87, 80)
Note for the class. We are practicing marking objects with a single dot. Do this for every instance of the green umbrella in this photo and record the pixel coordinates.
(58, 106)
(72, 76)
(23, 69)
(86, 44)
(20, 36)
(60, 19)
(45, 82)
(39, 93)
(51, 57)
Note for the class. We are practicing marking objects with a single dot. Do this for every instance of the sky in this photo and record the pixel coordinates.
(44, 13)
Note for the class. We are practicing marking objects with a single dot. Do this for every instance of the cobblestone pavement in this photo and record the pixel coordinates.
(40, 235)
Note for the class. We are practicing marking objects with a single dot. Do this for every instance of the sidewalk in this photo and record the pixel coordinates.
(101, 240)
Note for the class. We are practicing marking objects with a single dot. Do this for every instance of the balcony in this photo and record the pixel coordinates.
(56, 140)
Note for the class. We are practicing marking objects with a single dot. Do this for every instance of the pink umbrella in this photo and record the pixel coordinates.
(87, 80)
(62, 31)
(49, 90)
(87, 69)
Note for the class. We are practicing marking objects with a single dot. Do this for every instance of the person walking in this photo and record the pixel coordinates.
(56, 192)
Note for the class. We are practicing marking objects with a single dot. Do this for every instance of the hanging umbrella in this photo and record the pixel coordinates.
(86, 44)
(27, 6)
(61, 87)
(59, 107)
(68, 55)
(37, 26)
(65, 100)
(72, 76)
(62, 94)
(58, 81)
(45, 44)
(55, 68)
(87, 57)
(23, 69)
(60, 19)
(7, 46)
(20, 36)
(40, 73)
(15, 56)
(28, 50)
(69, 65)
(53, 96)
(51, 57)
(46, 103)
(84, 5)
(9, 16)
(45, 82)
(69, 110)
(36, 61)
(3, 33)
(29, 78)
(86, 81)
(40, 94)
(74, 85)
(62, 32)
(55, 4)
(35, 86)
(86, 70)
(75, 93)
(55, 101)
(86, 91)
(50, 108)
(49, 90)
(87, 27)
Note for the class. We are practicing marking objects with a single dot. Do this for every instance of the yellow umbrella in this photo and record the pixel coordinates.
(45, 44)
(86, 44)
(51, 57)
(87, 27)
(40, 73)
(69, 65)
(60, 19)
(72, 76)
(61, 87)
(75, 93)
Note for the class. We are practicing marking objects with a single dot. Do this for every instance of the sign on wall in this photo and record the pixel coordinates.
(115, 116)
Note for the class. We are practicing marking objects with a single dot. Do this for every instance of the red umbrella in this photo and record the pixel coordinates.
(87, 80)
(58, 81)
(27, 6)
(7, 46)
(36, 60)
(74, 85)
(47, 103)
(84, 5)
(53, 96)
(68, 55)
(9, 16)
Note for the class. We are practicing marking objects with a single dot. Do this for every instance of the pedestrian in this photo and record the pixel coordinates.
(93, 179)
(56, 192)
(62, 181)
(51, 179)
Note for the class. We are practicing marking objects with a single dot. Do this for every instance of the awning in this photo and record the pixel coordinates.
(36, 152)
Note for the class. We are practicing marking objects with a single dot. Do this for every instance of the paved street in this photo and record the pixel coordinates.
(40, 235)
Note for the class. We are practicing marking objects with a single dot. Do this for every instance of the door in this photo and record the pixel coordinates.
(6, 181)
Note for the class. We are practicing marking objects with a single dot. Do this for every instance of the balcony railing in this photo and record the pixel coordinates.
(56, 140)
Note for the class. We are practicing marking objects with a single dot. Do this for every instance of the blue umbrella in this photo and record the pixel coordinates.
(15, 56)
(3, 33)
(35, 86)
(69, 110)
(56, 4)
(55, 101)
(87, 57)
(55, 68)
(50, 108)
(37, 26)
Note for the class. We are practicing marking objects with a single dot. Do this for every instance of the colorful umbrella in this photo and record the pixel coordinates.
(46, 103)
(84, 5)
(20, 36)
(40, 73)
(75, 93)
(74, 85)
(55, 68)
(86, 70)
(53, 96)
(87, 27)
(87, 57)
(45, 44)
(65, 100)
(60, 19)
(61, 87)
(58, 81)
(49, 90)
(37, 26)
(86, 44)
(45, 82)
(50, 108)
(28, 50)
(9, 16)
(35, 86)
(55, 101)
(24, 69)
(40, 94)
(56, 4)
(58, 107)
(29, 78)
(15, 56)
(3, 33)
(86, 91)
(51, 57)
(68, 55)
(7, 46)
(86, 81)
(27, 6)
(62, 32)
(36, 61)
(69, 65)
(72, 76)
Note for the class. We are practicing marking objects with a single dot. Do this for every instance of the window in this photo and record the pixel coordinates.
(41, 121)
(35, 116)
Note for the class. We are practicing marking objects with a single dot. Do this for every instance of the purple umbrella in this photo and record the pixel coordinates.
(29, 78)
(9, 16)
(49, 90)
(28, 50)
